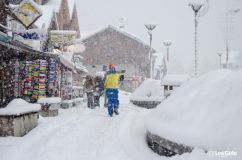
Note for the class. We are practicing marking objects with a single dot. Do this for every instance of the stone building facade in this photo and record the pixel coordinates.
(114, 45)
(63, 16)
(74, 21)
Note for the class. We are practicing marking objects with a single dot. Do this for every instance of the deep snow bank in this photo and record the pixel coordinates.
(149, 90)
(204, 113)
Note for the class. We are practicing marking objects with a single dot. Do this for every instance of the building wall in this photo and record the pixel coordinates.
(18, 126)
(112, 46)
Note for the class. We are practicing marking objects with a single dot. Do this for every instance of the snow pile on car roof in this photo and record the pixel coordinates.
(149, 90)
(205, 113)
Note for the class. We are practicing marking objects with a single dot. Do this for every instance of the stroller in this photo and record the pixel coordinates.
(98, 90)
(90, 99)
(89, 89)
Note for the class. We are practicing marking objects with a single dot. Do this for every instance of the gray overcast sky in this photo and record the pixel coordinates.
(175, 21)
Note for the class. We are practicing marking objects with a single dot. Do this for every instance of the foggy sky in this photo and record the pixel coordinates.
(175, 21)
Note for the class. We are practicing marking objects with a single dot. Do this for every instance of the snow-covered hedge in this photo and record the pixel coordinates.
(205, 113)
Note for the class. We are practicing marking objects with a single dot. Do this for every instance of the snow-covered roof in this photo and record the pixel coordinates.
(174, 79)
(87, 34)
(71, 4)
(82, 68)
(19, 107)
(206, 112)
(66, 60)
(77, 47)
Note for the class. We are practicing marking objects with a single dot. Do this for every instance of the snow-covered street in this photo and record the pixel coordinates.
(120, 80)
(81, 133)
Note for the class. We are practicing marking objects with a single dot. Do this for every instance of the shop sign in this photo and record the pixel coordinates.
(27, 13)
(61, 37)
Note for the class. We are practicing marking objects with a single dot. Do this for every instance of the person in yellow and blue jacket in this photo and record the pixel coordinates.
(111, 85)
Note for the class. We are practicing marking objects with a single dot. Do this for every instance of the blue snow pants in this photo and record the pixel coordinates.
(113, 102)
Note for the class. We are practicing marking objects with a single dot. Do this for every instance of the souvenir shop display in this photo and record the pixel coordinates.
(66, 83)
(24, 72)
(69, 84)
(26, 78)
(58, 81)
(52, 78)
(40, 78)
(63, 83)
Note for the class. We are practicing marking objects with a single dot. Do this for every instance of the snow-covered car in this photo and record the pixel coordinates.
(148, 95)
(204, 114)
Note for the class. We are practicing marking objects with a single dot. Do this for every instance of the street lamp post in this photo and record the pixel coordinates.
(154, 57)
(167, 44)
(150, 28)
(196, 8)
(230, 12)
(220, 59)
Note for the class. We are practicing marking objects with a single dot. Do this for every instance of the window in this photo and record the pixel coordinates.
(165, 87)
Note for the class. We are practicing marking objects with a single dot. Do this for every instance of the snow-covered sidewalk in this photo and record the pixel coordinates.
(83, 134)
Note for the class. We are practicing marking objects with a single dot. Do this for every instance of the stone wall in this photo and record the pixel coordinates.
(12, 125)
(50, 110)
(49, 113)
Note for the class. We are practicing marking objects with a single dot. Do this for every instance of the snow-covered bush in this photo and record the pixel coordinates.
(204, 113)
